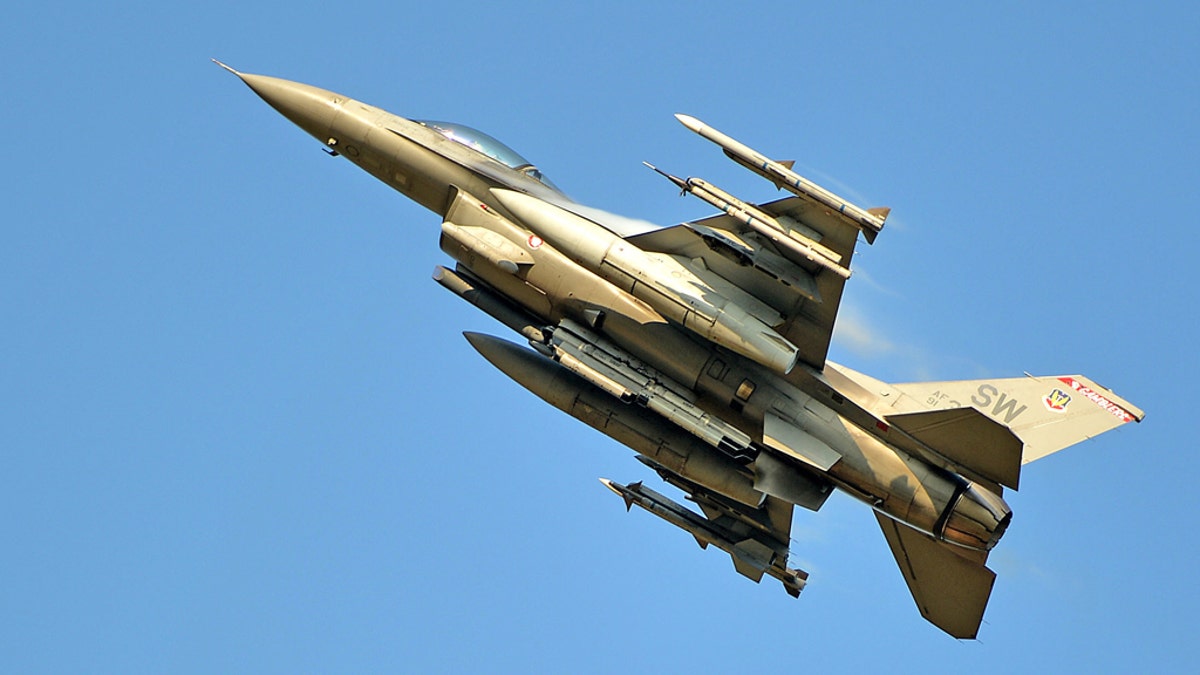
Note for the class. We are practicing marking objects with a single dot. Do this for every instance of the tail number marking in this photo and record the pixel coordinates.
(1005, 406)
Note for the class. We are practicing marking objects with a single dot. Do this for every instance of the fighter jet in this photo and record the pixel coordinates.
(702, 346)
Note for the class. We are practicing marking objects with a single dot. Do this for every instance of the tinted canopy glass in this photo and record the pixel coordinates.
(477, 140)
(481, 142)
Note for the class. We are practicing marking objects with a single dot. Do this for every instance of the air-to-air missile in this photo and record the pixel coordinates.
(703, 348)
(870, 221)
(790, 236)
(752, 556)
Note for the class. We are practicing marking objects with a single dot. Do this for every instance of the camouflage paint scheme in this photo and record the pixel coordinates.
(703, 347)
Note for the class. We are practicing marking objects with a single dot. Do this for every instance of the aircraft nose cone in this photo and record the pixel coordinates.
(310, 108)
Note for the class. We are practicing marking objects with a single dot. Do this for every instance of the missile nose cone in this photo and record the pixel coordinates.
(690, 122)
(620, 490)
(310, 108)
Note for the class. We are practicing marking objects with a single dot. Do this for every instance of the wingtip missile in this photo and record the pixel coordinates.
(869, 221)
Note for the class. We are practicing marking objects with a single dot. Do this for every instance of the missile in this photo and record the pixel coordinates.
(633, 426)
(751, 557)
(762, 223)
(870, 221)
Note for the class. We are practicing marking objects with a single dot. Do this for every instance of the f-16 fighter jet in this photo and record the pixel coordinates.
(703, 347)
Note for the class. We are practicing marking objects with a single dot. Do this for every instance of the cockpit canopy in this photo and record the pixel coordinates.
(481, 142)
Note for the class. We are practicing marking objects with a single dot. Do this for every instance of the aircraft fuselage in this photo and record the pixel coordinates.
(442, 175)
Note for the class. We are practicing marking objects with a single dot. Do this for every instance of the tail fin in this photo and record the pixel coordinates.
(1046, 413)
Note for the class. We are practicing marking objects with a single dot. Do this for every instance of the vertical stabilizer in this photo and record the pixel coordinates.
(1046, 413)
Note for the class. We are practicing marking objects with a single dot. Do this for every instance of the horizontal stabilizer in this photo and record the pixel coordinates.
(969, 439)
(950, 590)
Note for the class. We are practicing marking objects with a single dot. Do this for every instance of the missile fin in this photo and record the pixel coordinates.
(628, 494)
(751, 558)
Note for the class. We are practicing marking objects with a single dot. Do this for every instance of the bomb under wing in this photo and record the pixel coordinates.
(702, 347)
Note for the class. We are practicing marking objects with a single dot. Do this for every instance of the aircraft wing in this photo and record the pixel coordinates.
(796, 288)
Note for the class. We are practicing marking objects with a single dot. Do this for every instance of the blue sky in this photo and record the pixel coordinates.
(241, 432)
